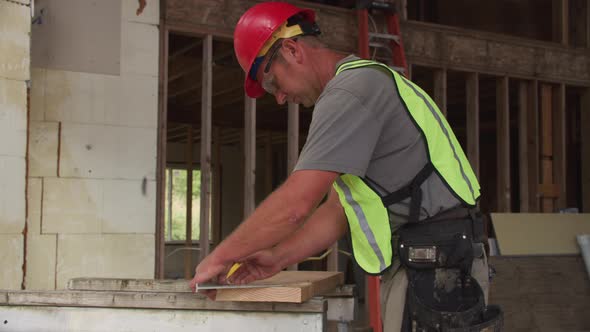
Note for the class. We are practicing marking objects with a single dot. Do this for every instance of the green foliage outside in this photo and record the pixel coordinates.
(178, 206)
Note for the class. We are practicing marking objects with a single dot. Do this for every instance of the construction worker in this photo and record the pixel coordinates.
(395, 176)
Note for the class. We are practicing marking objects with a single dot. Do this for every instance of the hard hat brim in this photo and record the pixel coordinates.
(253, 88)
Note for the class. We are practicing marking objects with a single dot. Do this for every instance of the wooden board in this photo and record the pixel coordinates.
(539, 233)
(296, 287)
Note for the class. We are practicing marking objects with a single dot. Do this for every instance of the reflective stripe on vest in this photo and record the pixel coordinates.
(368, 220)
(444, 151)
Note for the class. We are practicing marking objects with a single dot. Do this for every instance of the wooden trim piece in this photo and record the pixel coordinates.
(250, 155)
(523, 129)
(472, 113)
(547, 202)
(503, 147)
(161, 153)
(188, 242)
(585, 148)
(533, 146)
(292, 145)
(440, 89)
(559, 145)
(206, 120)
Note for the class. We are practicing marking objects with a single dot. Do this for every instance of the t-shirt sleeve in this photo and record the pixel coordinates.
(342, 135)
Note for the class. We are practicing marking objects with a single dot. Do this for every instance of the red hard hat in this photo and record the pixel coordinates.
(254, 29)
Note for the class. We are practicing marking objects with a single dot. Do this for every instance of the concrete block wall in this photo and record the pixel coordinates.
(92, 163)
(15, 22)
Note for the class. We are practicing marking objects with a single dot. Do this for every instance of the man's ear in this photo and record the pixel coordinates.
(292, 49)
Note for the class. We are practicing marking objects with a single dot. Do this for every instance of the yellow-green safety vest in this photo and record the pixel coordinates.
(368, 218)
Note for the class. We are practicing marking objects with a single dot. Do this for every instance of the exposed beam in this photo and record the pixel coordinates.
(560, 13)
(206, 119)
(533, 151)
(250, 155)
(292, 144)
(216, 190)
(188, 241)
(585, 148)
(472, 123)
(440, 89)
(503, 144)
(559, 145)
(546, 187)
(523, 129)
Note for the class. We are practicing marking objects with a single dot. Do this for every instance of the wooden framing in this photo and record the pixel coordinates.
(216, 188)
(268, 172)
(292, 144)
(188, 241)
(559, 147)
(560, 12)
(250, 155)
(523, 129)
(472, 113)
(206, 119)
(532, 149)
(585, 149)
(503, 143)
(547, 190)
(440, 89)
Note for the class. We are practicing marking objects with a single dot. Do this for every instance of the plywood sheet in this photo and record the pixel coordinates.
(539, 233)
(295, 287)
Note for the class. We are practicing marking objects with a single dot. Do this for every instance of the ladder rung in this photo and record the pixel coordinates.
(384, 36)
(380, 45)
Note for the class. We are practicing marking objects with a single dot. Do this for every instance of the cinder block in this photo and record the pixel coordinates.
(12, 195)
(79, 97)
(11, 256)
(104, 256)
(150, 14)
(107, 152)
(139, 49)
(71, 206)
(35, 187)
(13, 118)
(43, 142)
(37, 97)
(41, 257)
(129, 207)
(15, 26)
(135, 102)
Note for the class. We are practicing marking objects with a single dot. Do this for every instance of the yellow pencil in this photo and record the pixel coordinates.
(233, 269)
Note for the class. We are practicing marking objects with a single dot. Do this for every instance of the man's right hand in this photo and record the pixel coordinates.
(260, 265)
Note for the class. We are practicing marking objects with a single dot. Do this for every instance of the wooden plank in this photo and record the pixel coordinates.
(560, 13)
(292, 144)
(503, 143)
(523, 128)
(541, 293)
(206, 120)
(585, 148)
(250, 155)
(161, 150)
(547, 203)
(297, 287)
(188, 241)
(539, 233)
(440, 89)
(425, 44)
(533, 146)
(472, 112)
(158, 300)
(559, 145)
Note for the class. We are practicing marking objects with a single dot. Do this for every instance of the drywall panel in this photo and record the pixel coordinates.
(76, 35)
(71, 205)
(13, 118)
(104, 256)
(11, 256)
(135, 102)
(12, 195)
(107, 152)
(41, 256)
(15, 26)
(149, 15)
(539, 233)
(43, 143)
(129, 206)
(139, 49)
(34, 194)
(37, 95)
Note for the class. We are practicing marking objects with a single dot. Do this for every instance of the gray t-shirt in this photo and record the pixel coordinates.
(360, 127)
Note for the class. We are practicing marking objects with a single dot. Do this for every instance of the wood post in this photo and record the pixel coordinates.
(250, 155)
(188, 241)
(206, 119)
(523, 129)
(268, 171)
(559, 146)
(533, 152)
(292, 145)
(547, 189)
(503, 143)
(216, 187)
(440, 89)
(472, 112)
(585, 148)
(560, 12)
